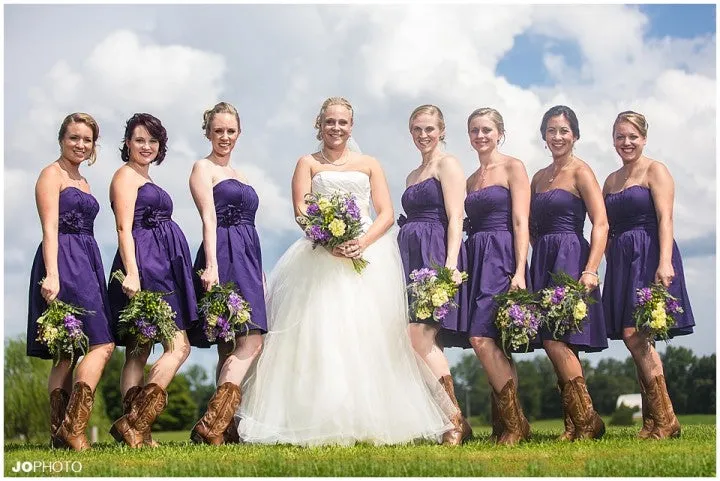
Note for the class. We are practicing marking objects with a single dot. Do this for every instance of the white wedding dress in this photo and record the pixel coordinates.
(337, 366)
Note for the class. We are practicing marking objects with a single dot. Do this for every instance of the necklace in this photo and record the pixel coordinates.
(555, 174)
(344, 154)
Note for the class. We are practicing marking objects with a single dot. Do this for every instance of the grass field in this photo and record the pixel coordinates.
(617, 454)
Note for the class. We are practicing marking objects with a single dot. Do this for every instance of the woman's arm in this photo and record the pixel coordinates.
(452, 180)
(123, 194)
(47, 198)
(201, 188)
(381, 203)
(301, 185)
(589, 189)
(520, 198)
(662, 188)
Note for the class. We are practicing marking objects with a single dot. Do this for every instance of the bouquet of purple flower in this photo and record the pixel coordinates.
(565, 304)
(331, 220)
(518, 319)
(655, 310)
(61, 331)
(432, 291)
(224, 312)
(147, 317)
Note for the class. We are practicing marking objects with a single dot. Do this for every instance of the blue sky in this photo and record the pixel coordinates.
(277, 63)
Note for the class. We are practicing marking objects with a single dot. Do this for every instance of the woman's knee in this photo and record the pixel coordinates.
(481, 344)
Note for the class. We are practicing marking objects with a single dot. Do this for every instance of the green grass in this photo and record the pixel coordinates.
(617, 454)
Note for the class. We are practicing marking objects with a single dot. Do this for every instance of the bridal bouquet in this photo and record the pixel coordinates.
(432, 291)
(224, 312)
(61, 331)
(655, 310)
(518, 319)
(565, 304)
(331, 220)
(147, 317)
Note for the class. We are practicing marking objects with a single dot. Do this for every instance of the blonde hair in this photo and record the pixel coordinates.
(635, 119)
(494, 115)
(82, 118)
(430, 110)
(219, 108)
(321, 115)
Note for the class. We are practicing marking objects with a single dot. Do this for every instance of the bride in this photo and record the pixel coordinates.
(337, 366)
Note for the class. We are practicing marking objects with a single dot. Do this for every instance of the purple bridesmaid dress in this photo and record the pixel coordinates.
(422, 242)
(556, 223)
(162, 256)
(80, 269)
(491, 256)
(633, 256)
(238, 252)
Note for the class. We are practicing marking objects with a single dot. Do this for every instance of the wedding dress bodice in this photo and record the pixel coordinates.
(353, 181)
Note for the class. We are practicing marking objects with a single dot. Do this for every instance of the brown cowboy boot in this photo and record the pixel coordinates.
(497, 425)
(569, 433)
(59, 399)
(71, 433)
(130, 395)
(461, 431)
(516, 425)
(647, 426)
(665, 423)
(134, 428)
(220, 412)
(588, 423)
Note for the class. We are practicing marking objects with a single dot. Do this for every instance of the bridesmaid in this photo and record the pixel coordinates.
(639, 202)
(562, 193)
(498, 206)
(432, 233)
(69, 265)
(230, 251)
(154, 255)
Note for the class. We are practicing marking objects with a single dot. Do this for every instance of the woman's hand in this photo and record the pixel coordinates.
(589, 280)
(665, 274)
(517, 282)
(455, 276)
(209, 277)
(355, 248)
(50, 288)
(131, 285)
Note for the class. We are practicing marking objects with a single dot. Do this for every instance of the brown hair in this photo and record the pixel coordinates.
(82, 118)
(633, 118)
(219, 108)
(321, 115)
(430, 110)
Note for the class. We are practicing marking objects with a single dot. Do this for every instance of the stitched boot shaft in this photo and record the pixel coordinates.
(461, 430)
(497, 425)
(59, 399)
(569, 433)
(133, 428)
(220, 412)
(71, 433)
(588, 423)
(665, 423)
(647, 426)
(516, 426)
(130, 395)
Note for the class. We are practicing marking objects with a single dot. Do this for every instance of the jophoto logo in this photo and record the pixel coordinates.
(47, 467)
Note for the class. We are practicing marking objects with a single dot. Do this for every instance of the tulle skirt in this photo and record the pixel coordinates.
(337, 365)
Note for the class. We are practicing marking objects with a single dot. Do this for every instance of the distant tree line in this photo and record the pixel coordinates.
(690, 381)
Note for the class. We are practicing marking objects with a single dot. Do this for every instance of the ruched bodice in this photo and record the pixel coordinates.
(235, 203)
(153, 207)
(631, 209)
(355, 182)
(489, 209)
(424, 202)
(77, 212)
(556, 211)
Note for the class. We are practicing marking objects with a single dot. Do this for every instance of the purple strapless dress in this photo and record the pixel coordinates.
(80, 269)
(238, 252)
(633, 256)
(422, 242)
(491, 256)
(556, 223)
(162, 256)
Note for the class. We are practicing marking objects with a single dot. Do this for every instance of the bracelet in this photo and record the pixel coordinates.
(591, 273)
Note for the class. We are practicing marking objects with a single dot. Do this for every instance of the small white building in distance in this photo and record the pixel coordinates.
(631, 400)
